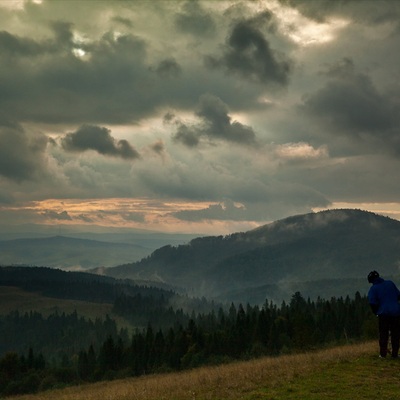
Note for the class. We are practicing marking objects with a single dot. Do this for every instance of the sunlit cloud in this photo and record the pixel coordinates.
(314, 33)
(17, 4)
(139, 213)
(302, 30)
(79, 52)
(300, 151)
(12, 4)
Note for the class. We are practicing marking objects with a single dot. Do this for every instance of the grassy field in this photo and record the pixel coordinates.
(341, 373)
(13, 298)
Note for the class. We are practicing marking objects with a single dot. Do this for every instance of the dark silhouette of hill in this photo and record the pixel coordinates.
(56, 283)
(324, 253)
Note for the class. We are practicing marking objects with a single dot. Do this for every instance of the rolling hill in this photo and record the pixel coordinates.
(346, 373)
(328, 253)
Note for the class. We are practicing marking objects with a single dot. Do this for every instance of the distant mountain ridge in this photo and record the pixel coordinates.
(334, 249)
(68, 253)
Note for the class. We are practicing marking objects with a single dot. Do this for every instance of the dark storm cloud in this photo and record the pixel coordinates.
(216, 124)
(22, 154)
(63, 34)
(112, 84)
(187, 135)
(15, 45)
(248, 54)
(350, 104)
(68, 78)
(194, 20)
(90, 137)
(125, 63)
(168, 68)
(219, 124)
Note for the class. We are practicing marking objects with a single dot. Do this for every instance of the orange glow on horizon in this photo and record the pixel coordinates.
(136, 213)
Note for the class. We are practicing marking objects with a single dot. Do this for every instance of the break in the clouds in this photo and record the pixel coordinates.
(90, 137)
(208, 112)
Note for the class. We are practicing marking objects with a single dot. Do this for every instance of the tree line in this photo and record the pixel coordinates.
(51, 282)
(195, 339)
(56, 335)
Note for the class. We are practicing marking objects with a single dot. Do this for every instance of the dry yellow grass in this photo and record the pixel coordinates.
(231, 381)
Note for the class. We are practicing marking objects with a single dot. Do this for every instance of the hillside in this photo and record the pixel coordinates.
(14, 298)
(68, 253)
(325, 253)
(58, 312)
(72, 285)
(345, 373)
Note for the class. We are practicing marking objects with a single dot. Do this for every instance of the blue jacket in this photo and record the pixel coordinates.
(383, 297)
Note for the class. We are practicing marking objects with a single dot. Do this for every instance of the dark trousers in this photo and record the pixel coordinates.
(388, 324)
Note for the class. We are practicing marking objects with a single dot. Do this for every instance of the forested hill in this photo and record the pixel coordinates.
(324, 253)
(60, 284)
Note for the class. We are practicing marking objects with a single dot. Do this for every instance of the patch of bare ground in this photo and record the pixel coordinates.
(231, 381)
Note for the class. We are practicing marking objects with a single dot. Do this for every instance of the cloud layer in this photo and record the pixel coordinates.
(237, 111)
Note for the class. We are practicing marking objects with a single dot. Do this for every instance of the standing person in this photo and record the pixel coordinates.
(383, 298)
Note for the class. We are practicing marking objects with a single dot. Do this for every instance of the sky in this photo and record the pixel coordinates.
(197, 116)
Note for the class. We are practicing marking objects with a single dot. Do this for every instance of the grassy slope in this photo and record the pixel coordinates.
(342, 373)
(13, 298)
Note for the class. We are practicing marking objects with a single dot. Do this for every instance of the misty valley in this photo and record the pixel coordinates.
(297, 284)
(190, 187)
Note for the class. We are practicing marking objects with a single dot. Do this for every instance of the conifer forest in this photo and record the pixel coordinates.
(66, 349)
